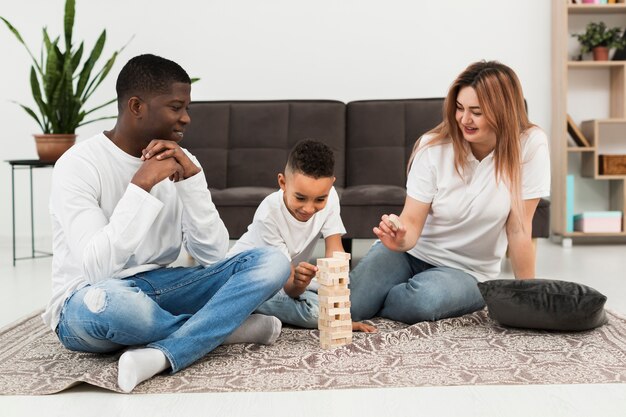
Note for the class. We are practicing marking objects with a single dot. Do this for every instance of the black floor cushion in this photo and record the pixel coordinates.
(544, 304)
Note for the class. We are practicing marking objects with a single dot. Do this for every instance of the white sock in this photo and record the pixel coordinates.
(258, 328)
(135, 366)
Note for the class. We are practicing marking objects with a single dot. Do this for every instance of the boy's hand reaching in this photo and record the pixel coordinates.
(162, 149)
(300, 278)
(303, 274)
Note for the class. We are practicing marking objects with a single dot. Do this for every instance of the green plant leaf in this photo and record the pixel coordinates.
(44, 109)
(59, 90)
(100, 76)
(68, 23)
(113, 100)
(85, 74)
(19, 38)
(51, 76)
(76, 57)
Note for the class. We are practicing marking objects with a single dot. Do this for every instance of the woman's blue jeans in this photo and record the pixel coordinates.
(400, 287)
(183, 312)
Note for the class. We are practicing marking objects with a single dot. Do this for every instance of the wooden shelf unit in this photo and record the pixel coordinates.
(594, 130)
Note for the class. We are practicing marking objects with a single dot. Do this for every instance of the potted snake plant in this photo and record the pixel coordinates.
(61, 86)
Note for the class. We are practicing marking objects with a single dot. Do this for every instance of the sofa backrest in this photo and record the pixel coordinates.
(380, 137)
(246, 143)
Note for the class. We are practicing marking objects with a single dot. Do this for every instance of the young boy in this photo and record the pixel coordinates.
(292, 219)
(122, 205)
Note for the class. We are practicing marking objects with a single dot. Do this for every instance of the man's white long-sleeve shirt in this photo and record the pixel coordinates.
(104, 227)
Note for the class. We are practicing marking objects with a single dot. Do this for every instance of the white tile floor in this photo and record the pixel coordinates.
(26, 287)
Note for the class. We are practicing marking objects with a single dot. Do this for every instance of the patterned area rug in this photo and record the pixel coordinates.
(468, 350)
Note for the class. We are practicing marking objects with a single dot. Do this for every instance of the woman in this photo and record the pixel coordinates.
(473, 186)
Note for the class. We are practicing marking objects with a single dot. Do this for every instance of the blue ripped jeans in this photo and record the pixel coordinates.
(400, 287)
(183, 312)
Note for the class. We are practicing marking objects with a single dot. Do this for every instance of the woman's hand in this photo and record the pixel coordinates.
(400, 233)
(162, 149)
(391, 232)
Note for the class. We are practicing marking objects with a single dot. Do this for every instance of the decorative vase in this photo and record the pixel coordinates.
(50, 147)
(600, 53)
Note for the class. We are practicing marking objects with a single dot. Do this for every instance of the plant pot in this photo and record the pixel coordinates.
(50, 147)
(600, 53)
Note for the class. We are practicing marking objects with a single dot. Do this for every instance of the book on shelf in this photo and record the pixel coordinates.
(598, 222)
(576, 133)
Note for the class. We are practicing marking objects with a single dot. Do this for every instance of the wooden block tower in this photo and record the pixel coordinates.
(335, 322)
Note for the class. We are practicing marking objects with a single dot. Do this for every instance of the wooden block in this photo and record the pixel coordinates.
(395, 221)
(328, 275)
(334, 275)
(327, 313)
(325, 263)
(335, 269)
(337, 329)
(330, 344)
(340, 279)
(334, 306)
(341, 255)
(335, 317)
(336, 301)
(333, 323)
(326, 290)
(335, 335)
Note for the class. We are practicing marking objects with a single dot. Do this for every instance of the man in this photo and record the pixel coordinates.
(122, 204)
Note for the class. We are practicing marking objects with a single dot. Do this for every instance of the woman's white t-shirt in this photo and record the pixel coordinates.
(465, 228)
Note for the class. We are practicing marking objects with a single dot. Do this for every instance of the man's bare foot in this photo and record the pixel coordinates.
(358, 326)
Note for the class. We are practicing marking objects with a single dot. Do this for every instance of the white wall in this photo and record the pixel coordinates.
(277, 49)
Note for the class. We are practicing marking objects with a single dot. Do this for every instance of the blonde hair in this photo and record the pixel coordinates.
(501, 100)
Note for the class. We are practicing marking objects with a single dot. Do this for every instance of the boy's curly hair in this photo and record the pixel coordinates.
(312, 158)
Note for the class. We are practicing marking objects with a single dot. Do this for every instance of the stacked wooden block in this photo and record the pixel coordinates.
(335, 322)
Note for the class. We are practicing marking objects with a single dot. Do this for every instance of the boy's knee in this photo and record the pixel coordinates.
(313, 317)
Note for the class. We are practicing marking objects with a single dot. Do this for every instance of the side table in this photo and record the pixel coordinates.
(23, 164)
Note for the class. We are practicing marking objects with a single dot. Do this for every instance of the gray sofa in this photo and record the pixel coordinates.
(243, 145)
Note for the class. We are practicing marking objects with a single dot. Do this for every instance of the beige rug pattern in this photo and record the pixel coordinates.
(468, 350)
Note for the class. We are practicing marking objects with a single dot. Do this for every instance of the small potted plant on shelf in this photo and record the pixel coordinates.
(598, 39)
(61, 86)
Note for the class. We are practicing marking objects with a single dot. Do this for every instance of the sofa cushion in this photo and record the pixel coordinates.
(246, 143)
(544, 304)
(380, 137)
(240, 196)
(541, 219)
(367, 195)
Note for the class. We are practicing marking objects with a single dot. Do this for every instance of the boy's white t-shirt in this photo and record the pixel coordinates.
(465, 228)
(273, 225)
